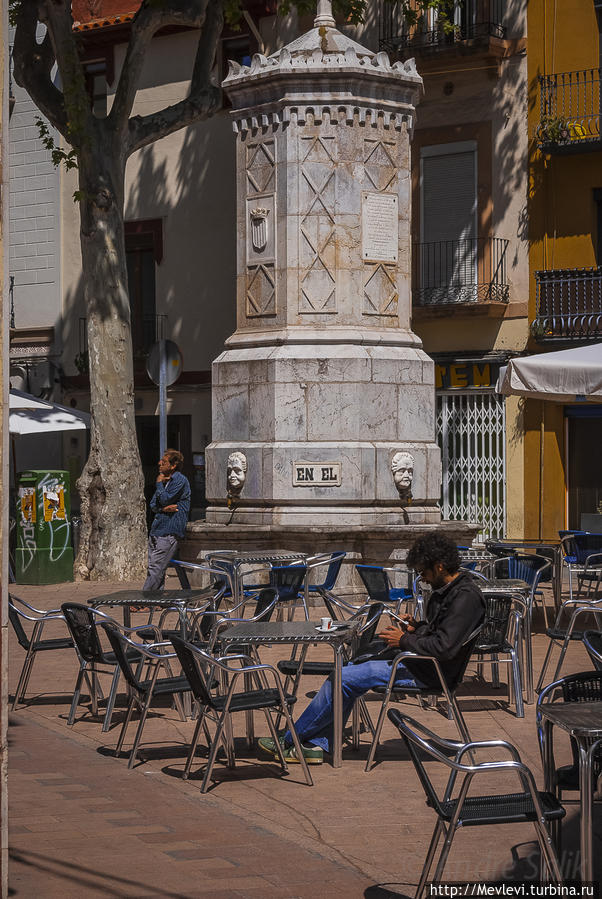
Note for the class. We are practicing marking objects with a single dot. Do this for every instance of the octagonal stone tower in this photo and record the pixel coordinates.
(323, 383)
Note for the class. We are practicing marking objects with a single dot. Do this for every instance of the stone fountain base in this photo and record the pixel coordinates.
(378, 545)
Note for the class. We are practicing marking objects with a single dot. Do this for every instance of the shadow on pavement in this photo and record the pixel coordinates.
(71, 874)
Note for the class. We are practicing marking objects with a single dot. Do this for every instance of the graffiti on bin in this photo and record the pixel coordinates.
(50, 512)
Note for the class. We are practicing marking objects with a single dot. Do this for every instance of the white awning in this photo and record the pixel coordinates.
(30, 415)
(566, 376)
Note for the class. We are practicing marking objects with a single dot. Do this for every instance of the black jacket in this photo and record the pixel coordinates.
(453, 612)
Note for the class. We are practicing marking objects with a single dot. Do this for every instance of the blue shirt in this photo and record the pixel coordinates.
(176, 491)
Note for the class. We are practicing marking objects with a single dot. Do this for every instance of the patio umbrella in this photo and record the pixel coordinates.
(30, 415)
(566, 376)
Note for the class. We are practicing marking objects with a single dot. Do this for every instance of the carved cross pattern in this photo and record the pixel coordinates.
(260, 166)
(378, 164)
(380, 292)
(318, 231)
(261, 291)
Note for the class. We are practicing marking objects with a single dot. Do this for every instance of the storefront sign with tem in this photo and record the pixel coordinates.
(466, 375)
(316, 474)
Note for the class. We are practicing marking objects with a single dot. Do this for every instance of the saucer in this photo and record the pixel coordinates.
(326, 630)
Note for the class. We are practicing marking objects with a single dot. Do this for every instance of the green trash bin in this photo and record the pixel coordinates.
(44, 553)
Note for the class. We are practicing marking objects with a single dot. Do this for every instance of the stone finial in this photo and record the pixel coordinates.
(324, 14)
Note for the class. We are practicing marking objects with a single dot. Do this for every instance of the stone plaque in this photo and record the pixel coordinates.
(316, 474)
(380, 227)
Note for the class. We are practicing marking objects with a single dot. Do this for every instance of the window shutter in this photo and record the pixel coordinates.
(449, 199)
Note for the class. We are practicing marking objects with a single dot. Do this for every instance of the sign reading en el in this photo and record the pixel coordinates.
(316, 474)
(466, 375)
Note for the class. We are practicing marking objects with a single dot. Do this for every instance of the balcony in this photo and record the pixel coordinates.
(470, 21)
(469, 271)
(569, 112)
(568, 304)
(145, 331)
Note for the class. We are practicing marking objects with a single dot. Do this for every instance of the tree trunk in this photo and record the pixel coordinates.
(113, 535)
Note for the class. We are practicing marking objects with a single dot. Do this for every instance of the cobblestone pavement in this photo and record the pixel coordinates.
(82, 824)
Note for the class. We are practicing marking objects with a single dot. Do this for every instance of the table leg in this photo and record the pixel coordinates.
(528, 657)
(586, 790)
(337, 708)
(186, 697)
(557, 579)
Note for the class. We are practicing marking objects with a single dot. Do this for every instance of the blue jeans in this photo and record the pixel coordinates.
(315, 723)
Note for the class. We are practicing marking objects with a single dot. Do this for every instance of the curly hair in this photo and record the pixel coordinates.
(175, 457)
(426, 551)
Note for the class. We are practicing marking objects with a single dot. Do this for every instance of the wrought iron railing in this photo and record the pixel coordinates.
(568, 304)
(569, 108)
(472, 270)
(466, 20)
(145, 331)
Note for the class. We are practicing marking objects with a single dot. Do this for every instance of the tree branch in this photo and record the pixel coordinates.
(204, 97)
(149, 19)
(59, 22)
(32, 65)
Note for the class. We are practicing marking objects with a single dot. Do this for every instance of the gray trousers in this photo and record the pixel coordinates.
(160, 551)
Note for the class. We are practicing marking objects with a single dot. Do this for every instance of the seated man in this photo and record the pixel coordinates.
(455, 609)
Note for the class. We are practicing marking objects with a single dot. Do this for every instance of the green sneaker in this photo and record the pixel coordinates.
(313, 755)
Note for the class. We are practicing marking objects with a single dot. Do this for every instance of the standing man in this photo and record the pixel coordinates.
(171, 505)
(455, 609)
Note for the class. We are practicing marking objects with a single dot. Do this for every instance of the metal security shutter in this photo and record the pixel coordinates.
(449, 199)
(448, 219)
(471, 431)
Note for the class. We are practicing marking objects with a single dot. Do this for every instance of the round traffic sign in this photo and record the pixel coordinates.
(173, 362)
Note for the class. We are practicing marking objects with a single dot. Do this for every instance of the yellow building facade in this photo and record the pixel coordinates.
(561, 471)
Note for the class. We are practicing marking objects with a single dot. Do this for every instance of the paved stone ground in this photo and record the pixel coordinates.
(81, 824)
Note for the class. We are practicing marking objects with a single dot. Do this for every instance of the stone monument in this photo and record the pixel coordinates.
(323, 384)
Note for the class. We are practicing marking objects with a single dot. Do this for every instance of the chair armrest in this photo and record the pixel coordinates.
(31, 608)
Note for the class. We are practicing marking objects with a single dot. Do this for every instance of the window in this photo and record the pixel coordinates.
(447, 265)
(143, 247)
(96, 85)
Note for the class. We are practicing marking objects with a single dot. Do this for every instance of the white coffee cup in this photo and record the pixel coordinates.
(326, 624)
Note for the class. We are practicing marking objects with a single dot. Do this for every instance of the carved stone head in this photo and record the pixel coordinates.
(237, 473)
(402, 469)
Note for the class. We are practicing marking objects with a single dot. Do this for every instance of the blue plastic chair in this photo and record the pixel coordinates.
(288, 581)
(378, 586)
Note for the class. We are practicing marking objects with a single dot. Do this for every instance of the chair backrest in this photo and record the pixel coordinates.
(494, 630)
(418, 746)
(583, 687)
(82, 626)
(264, 607)
(332, 571)
(376, 582)
(525, 567)
(288, 581)
(15, 620)
(592, 640)
(586, 545)
(119, 646)
(368, 631)
(467, 648)
(188, 658)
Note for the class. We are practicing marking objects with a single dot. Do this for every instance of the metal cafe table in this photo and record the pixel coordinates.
(235, 562)
(258, 633)
(583, 721)
(129, 600)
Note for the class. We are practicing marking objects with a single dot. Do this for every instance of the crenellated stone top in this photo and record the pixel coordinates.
(320, 53)
(326, 74)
